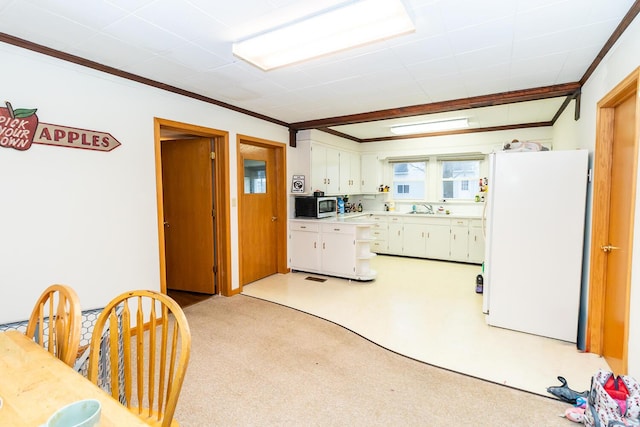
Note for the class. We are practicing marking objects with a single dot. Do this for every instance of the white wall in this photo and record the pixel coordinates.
(616, 65)
(88, 218)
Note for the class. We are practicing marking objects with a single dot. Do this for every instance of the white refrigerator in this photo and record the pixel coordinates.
(535, 216)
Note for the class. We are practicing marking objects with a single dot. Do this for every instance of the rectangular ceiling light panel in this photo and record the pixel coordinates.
(353, 25)
(426, 127)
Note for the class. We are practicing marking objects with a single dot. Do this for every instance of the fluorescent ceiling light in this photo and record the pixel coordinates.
(426, 127)
(353, 25)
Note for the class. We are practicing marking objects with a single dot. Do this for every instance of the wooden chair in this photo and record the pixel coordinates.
(56, 321)
(147, 340)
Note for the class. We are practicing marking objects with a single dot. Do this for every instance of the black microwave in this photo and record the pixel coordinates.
(316, 207)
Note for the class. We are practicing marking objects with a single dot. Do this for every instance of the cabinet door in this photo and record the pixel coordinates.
(318, 180)
(345, 173)
(349, 172)
(325, 169)
(370, 176)
(414, 240)
(459, 242)
(394, 237)
(438, 241)
(476, 242)
(355, 173)
(304, 250)
(332, 171)
(338, 250)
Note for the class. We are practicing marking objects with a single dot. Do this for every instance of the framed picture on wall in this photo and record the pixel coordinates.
(297, 184)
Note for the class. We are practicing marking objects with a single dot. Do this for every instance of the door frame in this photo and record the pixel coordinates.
(221, 197)
(600, 216)
(281, 198)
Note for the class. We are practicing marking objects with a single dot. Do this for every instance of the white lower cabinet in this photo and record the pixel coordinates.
(304, 245)
(435, 237)
(395, 235)
(438, 238)
(459, 240)
(414, 239)
(331, 248)
(476, 241)
(338, 249)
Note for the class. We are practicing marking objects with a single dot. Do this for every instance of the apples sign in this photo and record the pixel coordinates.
(19, 128)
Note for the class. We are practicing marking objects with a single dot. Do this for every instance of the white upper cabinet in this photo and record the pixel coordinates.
(325, 169)
(370, 173)
(349, 172)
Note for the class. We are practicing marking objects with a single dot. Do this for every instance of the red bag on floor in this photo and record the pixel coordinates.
(612, 400)
(618, 391)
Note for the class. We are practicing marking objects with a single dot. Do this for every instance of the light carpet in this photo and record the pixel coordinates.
(257, 363)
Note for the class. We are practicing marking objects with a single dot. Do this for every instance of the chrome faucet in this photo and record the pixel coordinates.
(429, 208)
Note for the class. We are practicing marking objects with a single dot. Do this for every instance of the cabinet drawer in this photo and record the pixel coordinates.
(394, 219)
(304, 226)
(460, 222)
(475, 222)
(379, 234)
(337, 228)
(380, 225)
(378, 218)
(379, 246)
(437, 221)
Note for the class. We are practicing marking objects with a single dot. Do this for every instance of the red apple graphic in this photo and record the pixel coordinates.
(17, 127)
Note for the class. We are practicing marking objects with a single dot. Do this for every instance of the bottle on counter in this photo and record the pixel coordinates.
(359, 206)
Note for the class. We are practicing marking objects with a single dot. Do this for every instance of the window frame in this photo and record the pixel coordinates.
(394, 182)
(472, 181)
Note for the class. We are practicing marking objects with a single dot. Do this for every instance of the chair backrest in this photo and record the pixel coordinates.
(56, 321)
(149, 343)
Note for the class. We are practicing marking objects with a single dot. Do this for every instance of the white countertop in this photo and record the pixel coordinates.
(365, 216)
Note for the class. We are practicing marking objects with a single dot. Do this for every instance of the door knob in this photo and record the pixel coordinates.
(166, 224)
(608, 248)
(274, 218)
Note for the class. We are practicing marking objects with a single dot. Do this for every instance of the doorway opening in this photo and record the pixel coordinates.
(614, 189)
(175, 144)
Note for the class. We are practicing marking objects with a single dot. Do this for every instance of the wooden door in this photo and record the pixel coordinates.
(618, 269)
(258, 212)
(615, 170)
(188, 214)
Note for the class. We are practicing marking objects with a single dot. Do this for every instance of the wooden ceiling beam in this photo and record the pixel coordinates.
(443, 133)
(444, 106)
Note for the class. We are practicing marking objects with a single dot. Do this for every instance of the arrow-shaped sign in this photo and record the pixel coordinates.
(64, 136)
(20, 127)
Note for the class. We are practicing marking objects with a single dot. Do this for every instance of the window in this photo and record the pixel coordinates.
(255, 176)
(460, 179)
(409, 180)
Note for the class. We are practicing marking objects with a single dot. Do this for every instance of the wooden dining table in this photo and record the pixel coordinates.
(34, 384)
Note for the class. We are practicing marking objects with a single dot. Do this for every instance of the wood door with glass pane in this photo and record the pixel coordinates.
(258, 225)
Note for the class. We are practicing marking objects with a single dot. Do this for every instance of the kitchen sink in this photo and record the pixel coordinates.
(420, 213)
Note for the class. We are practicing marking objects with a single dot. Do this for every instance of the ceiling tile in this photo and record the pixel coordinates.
(460, 49)
(141, 33)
